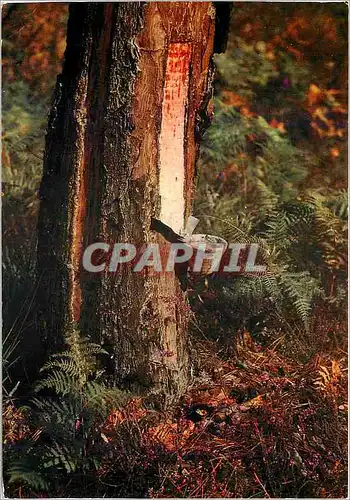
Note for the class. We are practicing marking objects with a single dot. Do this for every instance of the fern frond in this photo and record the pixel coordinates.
(67, 366)
(102, 397)
(268, 200)
(61, 456)
(301, 289)
(21, 471)
(61, 382)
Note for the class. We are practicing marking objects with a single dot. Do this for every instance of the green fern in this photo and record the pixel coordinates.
(288, 243)
(21, 472)
(70, 420)
(70, 370)
(301, 291)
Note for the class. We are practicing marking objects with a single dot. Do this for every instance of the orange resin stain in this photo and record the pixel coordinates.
(172, 136)
(82, 192)
(77, 243)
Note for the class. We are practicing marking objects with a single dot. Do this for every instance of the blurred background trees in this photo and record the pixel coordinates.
(274, 171)
(33, 38)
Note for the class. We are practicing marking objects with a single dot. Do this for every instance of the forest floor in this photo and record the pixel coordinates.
(253, 424)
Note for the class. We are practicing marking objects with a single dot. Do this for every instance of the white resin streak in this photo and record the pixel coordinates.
(172, 139)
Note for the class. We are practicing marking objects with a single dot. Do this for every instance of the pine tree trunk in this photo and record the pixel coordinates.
(121, 148)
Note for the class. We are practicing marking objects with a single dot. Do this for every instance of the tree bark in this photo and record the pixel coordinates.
(121, 148)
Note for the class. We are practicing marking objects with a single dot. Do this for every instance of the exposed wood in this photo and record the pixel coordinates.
(172, 136)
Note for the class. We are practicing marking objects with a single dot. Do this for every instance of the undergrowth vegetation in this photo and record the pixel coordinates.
(266, 412)
(68, 424)
(255, 425)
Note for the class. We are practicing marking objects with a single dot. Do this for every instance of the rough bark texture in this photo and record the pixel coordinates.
(127, 67)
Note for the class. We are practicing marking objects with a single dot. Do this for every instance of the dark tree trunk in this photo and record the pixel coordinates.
(121, 148)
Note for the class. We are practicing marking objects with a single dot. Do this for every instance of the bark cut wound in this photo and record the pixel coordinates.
(123, 127)
(172, 136)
